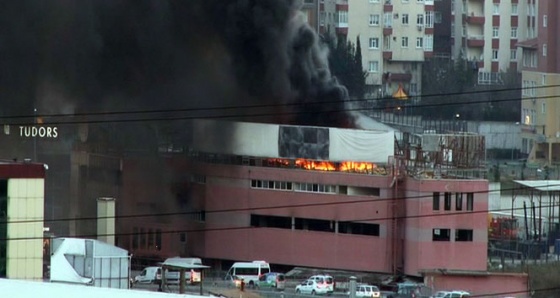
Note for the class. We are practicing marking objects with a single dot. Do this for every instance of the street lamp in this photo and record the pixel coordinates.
(513, 139)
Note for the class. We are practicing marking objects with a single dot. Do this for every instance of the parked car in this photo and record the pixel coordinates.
(325, 280)
(440, 294)
(312, 287)
(412, 290)
(457, 294)
(367, 291)
(233, 281)
(152, 275)
(272, 280)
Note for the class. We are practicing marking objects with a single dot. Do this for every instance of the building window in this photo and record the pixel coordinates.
(373, 66)
(404, 42)
(151, 238)
(358, 228)
(494, 55)
(514, 9)
(435, 201)
(545, 21)
(452, 29)
(429, 19)
(413, 89)
(438, 17)
(374, 43)
(470, 201)
(463, 235)
(269, 221)
(387, 43)
(495, 32)
(513, 55)
(458, 201)
(142, 238)
(441, 235)
(429, 42)
(496, 9)
(158, 239)
(447, 201)
(405, 18)
(374, 20)
(135, 238)
(419, 42)
(315, 187)
(544, 49)
(388, 20)
(543, 108)
(269, 184)
(420, 19)
(342, 17)
(513, 32)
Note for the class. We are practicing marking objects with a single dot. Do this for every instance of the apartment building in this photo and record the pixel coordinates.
(540, 81)
(396, 37)
(486, 33)
(327, 16)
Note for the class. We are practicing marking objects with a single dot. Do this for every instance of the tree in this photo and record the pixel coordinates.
(345, 63)
(448, 84)
(358, 73)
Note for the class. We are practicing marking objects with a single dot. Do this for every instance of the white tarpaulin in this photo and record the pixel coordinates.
(61, 269)
(289, 141)
(361, 145)
(90, 262)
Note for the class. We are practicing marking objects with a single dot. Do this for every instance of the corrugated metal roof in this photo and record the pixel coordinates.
(540, 185)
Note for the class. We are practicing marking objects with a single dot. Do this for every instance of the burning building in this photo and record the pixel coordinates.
(318, 197)
(304, 189)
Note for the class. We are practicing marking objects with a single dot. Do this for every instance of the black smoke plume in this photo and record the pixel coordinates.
(63, 56)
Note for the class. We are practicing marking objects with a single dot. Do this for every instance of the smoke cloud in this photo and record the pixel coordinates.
(106, 55)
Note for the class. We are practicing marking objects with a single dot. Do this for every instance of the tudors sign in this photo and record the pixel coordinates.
(41, 132)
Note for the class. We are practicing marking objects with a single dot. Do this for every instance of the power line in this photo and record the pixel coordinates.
(455, 213)
(264, 208)
(244, 107)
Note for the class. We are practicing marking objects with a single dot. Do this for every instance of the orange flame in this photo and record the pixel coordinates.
(315, 165)
(346, 166)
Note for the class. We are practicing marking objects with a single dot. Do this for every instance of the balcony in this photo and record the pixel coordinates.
(475, 41)
(475, 20)
(387, 30)
(387, 55)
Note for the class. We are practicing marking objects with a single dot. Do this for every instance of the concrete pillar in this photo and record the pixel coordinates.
(106, 220)
(352, 287)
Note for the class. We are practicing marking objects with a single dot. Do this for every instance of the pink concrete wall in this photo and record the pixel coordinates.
(300, 248)
(421, 252)
(229, 188)
(495, 285)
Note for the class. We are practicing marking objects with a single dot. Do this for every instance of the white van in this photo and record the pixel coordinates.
(249, 272)
(150, 275)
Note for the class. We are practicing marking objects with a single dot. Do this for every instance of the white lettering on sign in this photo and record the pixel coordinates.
(41, 132)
